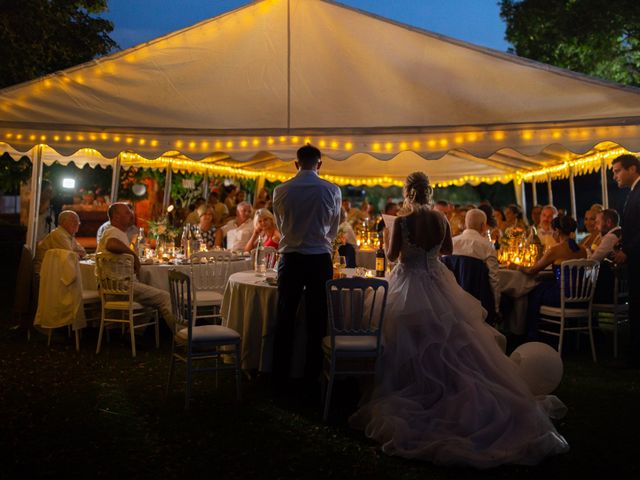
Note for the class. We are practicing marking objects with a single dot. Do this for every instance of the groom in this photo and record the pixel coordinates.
(626, 172)
(307, 213)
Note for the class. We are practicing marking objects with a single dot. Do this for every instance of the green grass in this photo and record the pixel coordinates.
(104, 416)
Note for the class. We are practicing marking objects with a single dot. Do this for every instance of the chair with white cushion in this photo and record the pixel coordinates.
(615, 313)
(209, 275)
(577, 286)
(196, 343)
(116, 278)
(356, 311)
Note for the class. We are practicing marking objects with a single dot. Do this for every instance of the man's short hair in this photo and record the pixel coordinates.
(308, 156)
(474, 219)
(611, 215)
(113, 208)
(66, 215)
(553, 209)
(627, 161)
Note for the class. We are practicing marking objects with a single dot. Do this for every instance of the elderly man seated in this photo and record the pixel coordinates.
(607, 224)
(545, 232)
(62, 237)
(474, 242)
(237, 231)
(115, 240)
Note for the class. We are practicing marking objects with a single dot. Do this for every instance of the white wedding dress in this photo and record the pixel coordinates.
(445, 391)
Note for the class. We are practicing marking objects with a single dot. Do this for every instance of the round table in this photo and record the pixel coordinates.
(250, 306)
(517, 285)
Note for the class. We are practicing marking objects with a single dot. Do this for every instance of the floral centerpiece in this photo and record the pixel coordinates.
(162, 228)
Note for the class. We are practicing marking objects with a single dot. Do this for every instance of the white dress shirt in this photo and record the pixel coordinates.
(472, 244)
(546, 238)
(112, 232)
(237, 235)
(307, 211)
(607, 243)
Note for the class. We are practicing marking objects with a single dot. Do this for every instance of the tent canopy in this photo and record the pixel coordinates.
(241, 92)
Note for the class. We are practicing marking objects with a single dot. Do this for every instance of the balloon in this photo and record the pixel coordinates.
(539, 365)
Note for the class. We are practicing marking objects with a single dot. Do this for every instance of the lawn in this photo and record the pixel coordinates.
(101, 416)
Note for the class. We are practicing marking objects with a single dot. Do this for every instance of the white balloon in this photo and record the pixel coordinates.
(539, 365)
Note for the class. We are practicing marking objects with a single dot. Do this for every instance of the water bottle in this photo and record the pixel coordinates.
(141, 243)
(259, 265)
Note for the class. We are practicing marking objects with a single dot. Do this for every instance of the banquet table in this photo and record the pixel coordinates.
(156, 275)
(517, 285)
(249, 306)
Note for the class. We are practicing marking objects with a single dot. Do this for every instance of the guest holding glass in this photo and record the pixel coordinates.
(264, 231)
(548, 292)
(206, 228)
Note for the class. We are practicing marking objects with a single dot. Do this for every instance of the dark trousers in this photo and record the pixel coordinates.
(634, 307)
(298, 273)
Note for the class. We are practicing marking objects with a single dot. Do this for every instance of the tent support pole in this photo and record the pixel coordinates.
(603, 184)
(534, 194)
(205, 187)
(168, 179)
(259, 186)
(572, 194)
(521, 197)
(549, 191)
(34, 203)
(115, 179)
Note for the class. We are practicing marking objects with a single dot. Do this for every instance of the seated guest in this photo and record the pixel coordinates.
(264, 230)
(206, 229)
(545, 230)
(610, 233)
(535, 214)
(442, 206)
(116, 241)
(132, 231)
(61, 237)
(607, 223)
(220, 210)
(514, 217)
(391, 208)
(347, 239)
(194, 215)
(548, 292)
(494, 232)
(474, 242)
(237, 231)
(591, 241)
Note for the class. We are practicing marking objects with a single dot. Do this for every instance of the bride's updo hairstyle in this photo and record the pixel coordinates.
(417, 189)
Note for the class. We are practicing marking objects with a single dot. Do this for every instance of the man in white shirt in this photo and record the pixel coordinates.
(473, 242)
(62, 237)
(115, 240)
(238, 230)
(545, 232)
(307, 213)
(607, 223)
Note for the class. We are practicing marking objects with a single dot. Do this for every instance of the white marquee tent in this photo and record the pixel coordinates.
(240, 93)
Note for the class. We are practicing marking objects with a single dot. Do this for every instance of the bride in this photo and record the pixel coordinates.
(445, 391)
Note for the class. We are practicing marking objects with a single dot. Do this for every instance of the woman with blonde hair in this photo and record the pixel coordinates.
(206, 228)
(445, 391)
(592, 240)
(264, 228)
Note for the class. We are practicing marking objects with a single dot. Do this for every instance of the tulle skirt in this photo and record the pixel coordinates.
(445, 391)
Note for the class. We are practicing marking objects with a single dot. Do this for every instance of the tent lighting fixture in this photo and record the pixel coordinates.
(69, 183)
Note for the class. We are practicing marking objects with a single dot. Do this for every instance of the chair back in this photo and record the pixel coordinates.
(472, 274)
(621, 284)
(578, 280)
(180, 293)
(210, 270)
(356, 307)
(115, 275)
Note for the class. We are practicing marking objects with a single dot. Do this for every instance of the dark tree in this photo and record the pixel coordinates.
(43, 36)
(596, 37)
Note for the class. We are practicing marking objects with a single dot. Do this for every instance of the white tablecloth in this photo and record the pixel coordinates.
(517, 285)
(250, 307)
(155, 275)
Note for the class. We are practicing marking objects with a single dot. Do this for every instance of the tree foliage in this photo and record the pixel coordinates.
(596, 37)
(38, 37)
